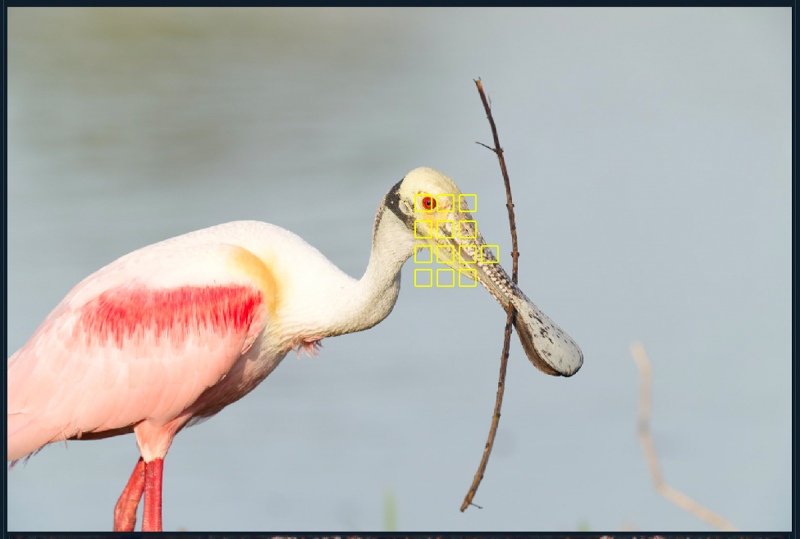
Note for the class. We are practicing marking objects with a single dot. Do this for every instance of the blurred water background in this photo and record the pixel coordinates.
(650, 158)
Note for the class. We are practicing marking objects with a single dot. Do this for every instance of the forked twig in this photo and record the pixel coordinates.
(501, 383)
(645, 401)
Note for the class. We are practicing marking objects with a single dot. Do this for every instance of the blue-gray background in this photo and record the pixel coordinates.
(649, 152)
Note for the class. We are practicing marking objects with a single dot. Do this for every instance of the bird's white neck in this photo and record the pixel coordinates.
(335, 303)
(378, 288)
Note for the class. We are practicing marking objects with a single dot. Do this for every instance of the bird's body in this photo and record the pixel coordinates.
(182, 328)
(178, 330)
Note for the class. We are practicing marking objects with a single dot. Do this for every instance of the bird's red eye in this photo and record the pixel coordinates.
(429, 203)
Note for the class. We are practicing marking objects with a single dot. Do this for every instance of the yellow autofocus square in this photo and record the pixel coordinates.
(423, 278)
(445, 254)
(445, 278)
(471, 200)
(419, 203)
(490, 253)
(442, 233)
(444, 203)
(467, 278)
(470, 252)
(468, 229)
(421, 234)
(422, 258)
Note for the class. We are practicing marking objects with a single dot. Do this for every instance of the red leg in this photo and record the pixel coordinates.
(128, 503)
(153, 471)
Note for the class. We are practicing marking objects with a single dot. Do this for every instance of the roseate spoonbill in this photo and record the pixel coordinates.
(178, 330)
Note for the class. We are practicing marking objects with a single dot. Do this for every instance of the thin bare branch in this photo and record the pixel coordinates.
(648, 447)
(509, 202)
(501, 383)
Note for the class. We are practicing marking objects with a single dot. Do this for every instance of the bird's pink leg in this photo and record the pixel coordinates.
(153, 471)
(128, 503)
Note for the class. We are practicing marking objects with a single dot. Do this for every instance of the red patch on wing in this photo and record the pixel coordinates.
(124, 314)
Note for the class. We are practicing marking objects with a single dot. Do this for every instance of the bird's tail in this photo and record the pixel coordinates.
(26, 434)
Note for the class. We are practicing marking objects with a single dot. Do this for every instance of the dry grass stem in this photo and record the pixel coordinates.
(648, 447)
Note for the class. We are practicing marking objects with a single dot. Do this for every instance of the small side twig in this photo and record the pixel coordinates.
(501, 383)
(648, 447)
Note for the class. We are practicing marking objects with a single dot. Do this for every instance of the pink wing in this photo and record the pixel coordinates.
(141, 339)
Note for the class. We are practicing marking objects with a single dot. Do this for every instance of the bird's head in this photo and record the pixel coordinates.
(438, 216)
